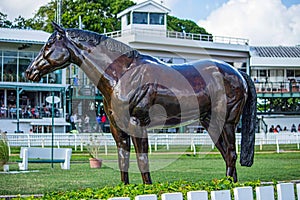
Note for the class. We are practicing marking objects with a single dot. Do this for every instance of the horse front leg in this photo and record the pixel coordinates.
(123, 145)
(141, 148)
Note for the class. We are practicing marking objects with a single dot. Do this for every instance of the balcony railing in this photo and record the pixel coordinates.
(180, 35)
(277, 87)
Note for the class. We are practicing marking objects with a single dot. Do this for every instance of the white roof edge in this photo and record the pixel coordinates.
(23, 35)
(127, 10)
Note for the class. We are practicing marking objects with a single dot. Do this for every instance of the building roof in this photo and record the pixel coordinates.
(148, 5)
(23, 35)
(275, 51)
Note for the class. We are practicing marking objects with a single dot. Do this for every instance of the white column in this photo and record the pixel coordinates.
(221, 195)
(197, 195)
(243, 193)
(146, 197)
(285, 191)
(172, 196)
(265, 193)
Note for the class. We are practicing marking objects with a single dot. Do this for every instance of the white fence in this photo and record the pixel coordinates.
(155, 139)
(285, 191)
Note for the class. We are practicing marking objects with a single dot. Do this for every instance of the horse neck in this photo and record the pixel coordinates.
(104, 63)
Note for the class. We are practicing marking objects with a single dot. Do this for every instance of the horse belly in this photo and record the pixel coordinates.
(171, 111)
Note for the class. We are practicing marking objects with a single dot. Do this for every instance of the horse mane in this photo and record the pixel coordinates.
(85, 36)
(78, 35)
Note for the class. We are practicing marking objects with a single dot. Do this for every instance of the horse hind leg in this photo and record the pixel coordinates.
(225, 143)
(230, 151)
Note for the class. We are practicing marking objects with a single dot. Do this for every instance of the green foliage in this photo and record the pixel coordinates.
(4, 150)
(133, 190)
(4, 22)
(184, 25)
(96, 15)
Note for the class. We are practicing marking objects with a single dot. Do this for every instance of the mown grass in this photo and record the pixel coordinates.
(165, 167)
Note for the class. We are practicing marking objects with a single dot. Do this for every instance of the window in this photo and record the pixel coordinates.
(10, 53)
(23, 64)
(290, 73)
(140, 18)
(157, 18)
(10, 69)
(25, 54)
(263, 73)
(297, 73)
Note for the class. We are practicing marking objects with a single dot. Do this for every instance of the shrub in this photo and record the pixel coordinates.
(4, 150)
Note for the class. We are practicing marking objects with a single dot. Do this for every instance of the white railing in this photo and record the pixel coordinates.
(179, 35)
(155, 139)
(285, 191)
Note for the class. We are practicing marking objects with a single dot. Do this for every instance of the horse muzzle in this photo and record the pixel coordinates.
(33, 75)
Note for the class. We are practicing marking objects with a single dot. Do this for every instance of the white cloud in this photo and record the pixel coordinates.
(266, 22)
(25, 8)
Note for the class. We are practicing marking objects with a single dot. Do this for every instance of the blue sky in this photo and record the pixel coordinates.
(263, 22)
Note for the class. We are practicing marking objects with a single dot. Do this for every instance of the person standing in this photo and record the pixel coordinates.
(98, 119)
(103, 121)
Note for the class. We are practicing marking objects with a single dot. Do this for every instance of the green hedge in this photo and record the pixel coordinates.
(133, 190)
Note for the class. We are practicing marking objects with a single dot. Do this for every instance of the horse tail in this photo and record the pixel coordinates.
(248, 124)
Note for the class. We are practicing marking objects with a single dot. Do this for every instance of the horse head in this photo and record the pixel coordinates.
(53, 56)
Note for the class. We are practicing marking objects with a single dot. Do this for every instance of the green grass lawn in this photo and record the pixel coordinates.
(165, 168)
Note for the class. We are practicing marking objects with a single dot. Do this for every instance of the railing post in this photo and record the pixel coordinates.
(297, 136)
(277, 146)
(105, 147)
(150, 146)
(155, 145)
(167, 142)
(29, 143)
(75, 141)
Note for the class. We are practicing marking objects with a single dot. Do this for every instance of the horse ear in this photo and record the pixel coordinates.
(58, 28)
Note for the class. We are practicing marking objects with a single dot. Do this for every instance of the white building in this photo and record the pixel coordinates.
(18, 47)
(144, 27)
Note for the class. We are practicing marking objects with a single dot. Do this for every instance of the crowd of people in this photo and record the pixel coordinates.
(27, 111)
(278, 129)
(83, 123)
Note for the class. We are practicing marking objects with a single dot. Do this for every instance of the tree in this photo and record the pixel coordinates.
(96, 15)
(183, 25)
(20, 23)
(4, 22)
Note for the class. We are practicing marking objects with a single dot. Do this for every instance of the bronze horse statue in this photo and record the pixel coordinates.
(141, 92)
